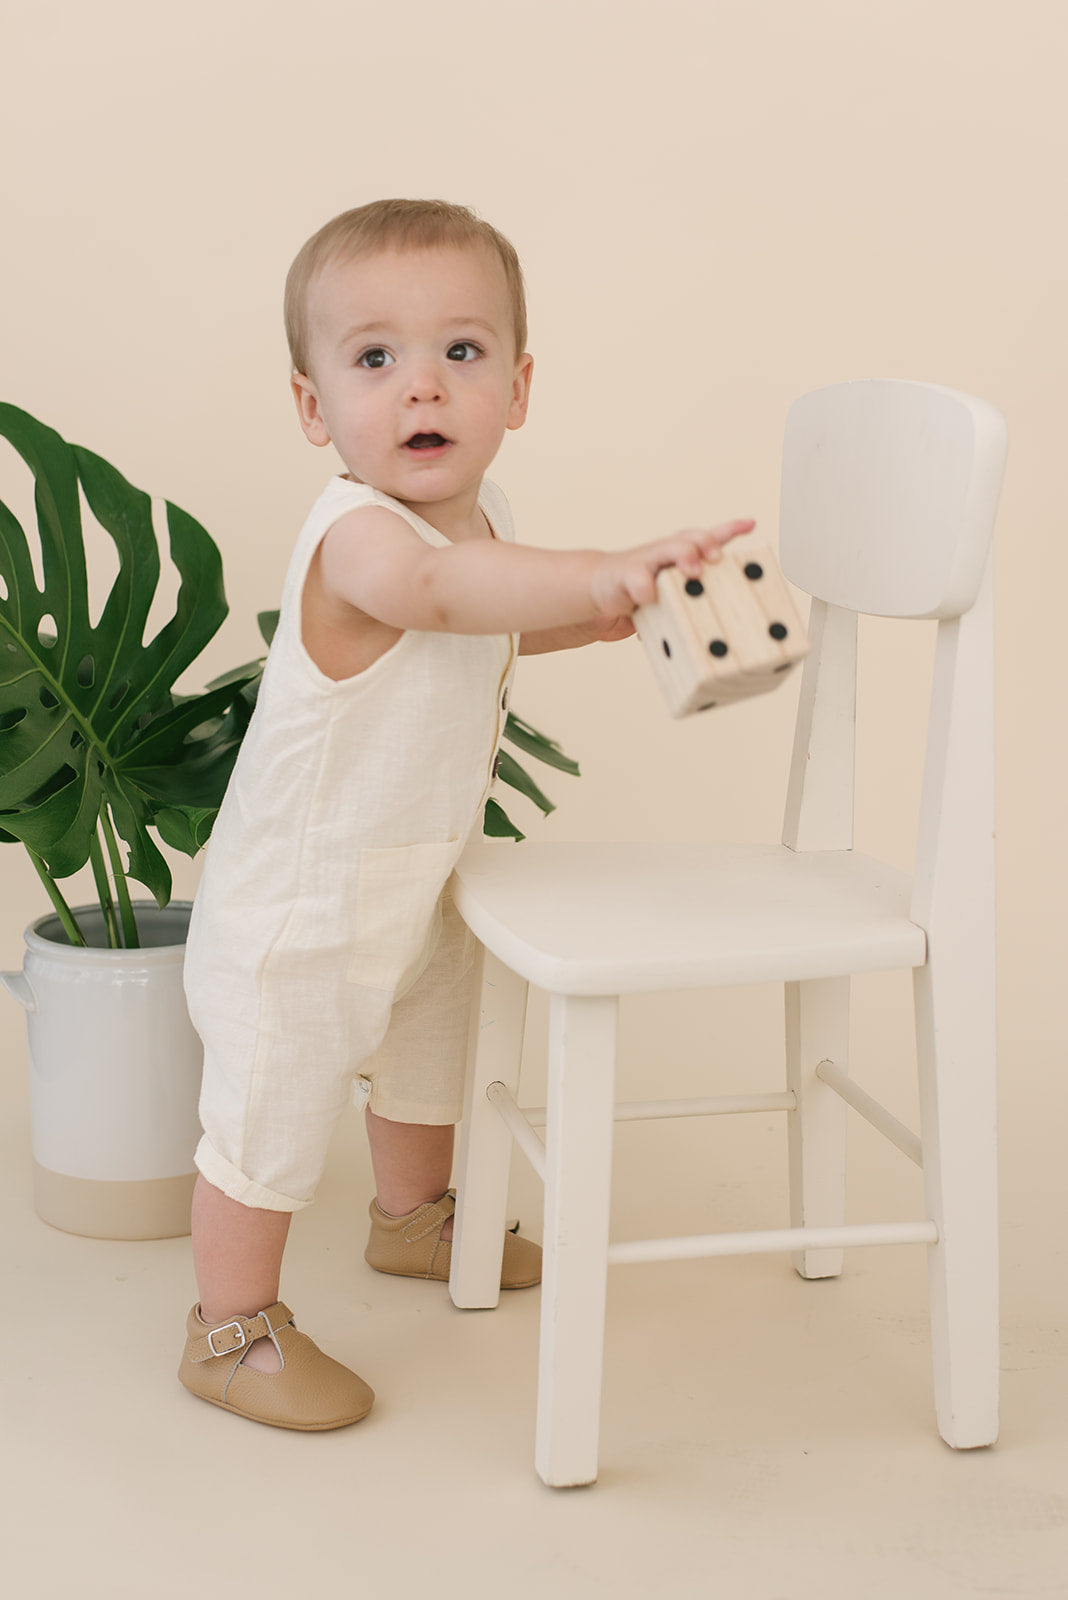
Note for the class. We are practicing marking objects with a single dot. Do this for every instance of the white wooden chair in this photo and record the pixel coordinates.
(888, 501)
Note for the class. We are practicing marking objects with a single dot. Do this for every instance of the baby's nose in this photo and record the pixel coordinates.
(424, 384)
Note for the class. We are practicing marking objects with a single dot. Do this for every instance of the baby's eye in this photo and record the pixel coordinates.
(463, 350)
(375, 358)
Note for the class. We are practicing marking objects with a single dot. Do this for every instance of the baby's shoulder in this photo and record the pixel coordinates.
(347, 507)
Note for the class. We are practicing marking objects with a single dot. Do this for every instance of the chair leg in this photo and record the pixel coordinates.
(494, 1052)
(581, 1089)
(817, 1029)
(955, 1026)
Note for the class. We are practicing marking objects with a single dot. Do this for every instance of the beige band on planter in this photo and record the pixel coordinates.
(153, 1208)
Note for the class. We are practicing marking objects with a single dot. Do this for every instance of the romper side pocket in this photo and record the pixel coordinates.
(396, 912)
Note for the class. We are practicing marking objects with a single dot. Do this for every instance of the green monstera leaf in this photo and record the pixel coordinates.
(89, 723)
(496, 822)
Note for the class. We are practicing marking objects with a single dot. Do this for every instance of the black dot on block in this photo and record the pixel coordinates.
(754, 570)
(694, 586)
(777, 630)
(718, 647)
(667, 647)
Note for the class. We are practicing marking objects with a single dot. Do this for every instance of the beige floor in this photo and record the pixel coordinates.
(764, 1438)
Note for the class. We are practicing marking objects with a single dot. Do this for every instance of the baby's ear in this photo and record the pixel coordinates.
(524, 371)
(311, 418)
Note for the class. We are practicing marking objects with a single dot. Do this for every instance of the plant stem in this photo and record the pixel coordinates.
(66, 915)
(122, 889)
(103, 890)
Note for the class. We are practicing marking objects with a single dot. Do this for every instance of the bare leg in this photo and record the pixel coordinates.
(412, 1162)
(237, 1256)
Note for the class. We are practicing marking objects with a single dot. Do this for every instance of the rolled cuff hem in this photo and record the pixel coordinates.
(222, 1174)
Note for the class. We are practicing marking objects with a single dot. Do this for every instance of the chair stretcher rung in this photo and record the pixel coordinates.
(717, 1106)
(770, 1241)
(882, 1120)
(516, 1122)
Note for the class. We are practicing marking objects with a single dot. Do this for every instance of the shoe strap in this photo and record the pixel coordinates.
(239, 1332)
(430, 1218)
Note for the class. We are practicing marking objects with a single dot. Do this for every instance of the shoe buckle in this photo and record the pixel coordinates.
(239, 1343)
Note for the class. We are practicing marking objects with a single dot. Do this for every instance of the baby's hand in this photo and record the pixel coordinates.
(626, 581)
(603, 630)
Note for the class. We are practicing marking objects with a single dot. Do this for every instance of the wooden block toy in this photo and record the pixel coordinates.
(732, 633)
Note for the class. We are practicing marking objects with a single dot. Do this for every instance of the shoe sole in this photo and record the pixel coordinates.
(432, 1277)
(269, 1422)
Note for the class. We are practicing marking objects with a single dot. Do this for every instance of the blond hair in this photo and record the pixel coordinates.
(395, 225)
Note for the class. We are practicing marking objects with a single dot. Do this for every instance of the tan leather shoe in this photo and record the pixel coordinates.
(312, 1392)
(412, 1246)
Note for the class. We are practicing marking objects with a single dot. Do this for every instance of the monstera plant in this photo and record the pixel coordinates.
(95, 745)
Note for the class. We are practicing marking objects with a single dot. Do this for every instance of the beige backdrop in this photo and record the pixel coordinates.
(719, 206)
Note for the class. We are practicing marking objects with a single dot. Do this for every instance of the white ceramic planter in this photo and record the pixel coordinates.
(115, 1068)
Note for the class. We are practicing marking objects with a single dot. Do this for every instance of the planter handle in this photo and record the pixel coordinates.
(18, 985)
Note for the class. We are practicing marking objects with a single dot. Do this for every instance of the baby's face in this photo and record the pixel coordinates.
(413, 373)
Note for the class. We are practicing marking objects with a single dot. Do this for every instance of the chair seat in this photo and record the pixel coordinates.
(621, 918)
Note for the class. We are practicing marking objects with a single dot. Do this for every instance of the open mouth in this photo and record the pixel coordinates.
(425, 441)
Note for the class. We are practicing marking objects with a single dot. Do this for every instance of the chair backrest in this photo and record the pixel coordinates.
(888, 501)
(889, 491)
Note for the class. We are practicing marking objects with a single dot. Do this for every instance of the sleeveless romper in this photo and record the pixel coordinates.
(321, 911)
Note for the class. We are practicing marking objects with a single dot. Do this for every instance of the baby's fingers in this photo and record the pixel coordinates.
(712, 540)
(639, 582)
(691, 548)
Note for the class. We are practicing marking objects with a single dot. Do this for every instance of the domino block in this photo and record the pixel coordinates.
(732, 633)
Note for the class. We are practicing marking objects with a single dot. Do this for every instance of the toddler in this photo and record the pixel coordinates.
(324, 947)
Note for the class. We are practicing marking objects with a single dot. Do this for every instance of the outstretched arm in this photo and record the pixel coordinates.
(373, 560)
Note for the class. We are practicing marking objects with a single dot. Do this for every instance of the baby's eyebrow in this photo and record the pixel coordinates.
(365, 331)
(369, 330)
(473, 322)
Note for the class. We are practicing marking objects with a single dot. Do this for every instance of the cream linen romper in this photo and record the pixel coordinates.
(322, 920)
